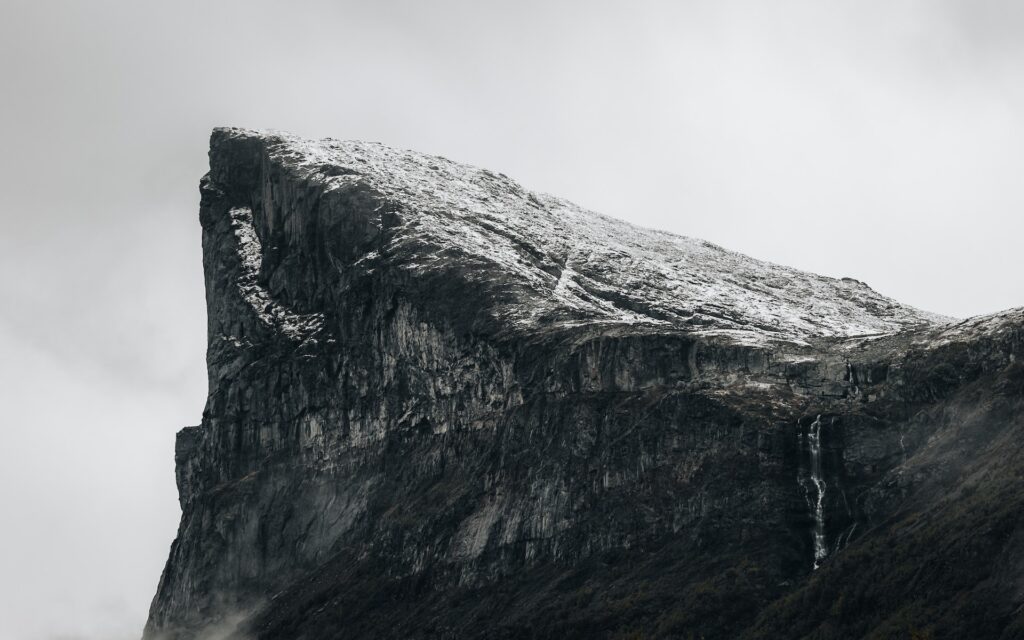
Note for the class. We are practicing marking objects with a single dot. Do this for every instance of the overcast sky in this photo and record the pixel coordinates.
(882, 140)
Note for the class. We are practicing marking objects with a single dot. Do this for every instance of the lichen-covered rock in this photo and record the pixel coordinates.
(442, 406)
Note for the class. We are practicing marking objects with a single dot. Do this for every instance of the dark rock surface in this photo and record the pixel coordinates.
(442, 406)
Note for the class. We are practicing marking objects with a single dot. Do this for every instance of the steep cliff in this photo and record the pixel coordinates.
(442, 406)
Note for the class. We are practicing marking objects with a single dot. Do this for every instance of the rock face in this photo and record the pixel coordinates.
(442, 406)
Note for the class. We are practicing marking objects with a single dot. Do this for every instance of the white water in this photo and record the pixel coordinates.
(817, 507)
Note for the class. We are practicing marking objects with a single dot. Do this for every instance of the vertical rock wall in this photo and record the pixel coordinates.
(382, 456)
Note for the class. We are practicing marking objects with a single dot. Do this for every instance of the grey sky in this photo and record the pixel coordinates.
(882, 140)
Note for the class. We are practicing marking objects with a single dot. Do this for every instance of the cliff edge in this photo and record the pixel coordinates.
(443, 406)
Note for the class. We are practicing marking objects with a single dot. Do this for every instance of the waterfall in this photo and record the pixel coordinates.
(817, 481)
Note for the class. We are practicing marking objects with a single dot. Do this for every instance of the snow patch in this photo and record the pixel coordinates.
(273, 314)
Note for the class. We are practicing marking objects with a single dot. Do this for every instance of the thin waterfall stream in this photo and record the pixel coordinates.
(814, 478)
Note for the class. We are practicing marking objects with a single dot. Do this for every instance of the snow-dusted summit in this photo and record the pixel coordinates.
(542, 263)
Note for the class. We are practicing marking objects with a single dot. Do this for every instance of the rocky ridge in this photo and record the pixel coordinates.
(443, 406)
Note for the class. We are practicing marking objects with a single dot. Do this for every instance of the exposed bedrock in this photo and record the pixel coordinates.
(441, 406)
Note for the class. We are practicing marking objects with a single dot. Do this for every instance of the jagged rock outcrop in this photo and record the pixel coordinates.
(442, 406)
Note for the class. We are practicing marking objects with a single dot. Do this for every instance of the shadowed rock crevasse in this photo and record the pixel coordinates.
(442, 406)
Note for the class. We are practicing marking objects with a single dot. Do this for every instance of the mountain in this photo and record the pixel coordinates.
(443, 406)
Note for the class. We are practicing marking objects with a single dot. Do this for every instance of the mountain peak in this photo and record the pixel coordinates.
(443, 406)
